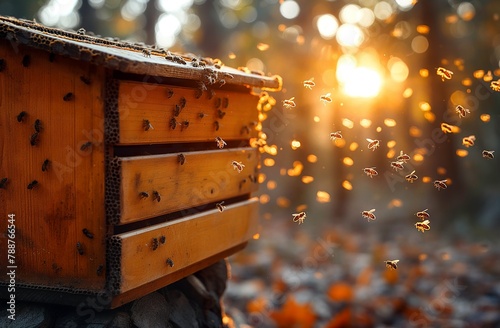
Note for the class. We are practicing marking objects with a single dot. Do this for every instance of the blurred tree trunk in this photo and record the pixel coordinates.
(211, 41)
(88, 18)
(151, 14)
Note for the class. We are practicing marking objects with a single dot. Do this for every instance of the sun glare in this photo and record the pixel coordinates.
(363, 82)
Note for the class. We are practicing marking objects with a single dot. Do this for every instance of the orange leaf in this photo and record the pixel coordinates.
(293, 314)
(340, 292)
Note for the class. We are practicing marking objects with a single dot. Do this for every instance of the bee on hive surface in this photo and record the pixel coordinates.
(422, 226)
(156, 196)
(38, 125)
(182, 102)
(143, 195)
(100, 269)
(403, 157)
(181, 159)
(218, 102)
(309, 84)
(335, 135)
(446, 128)
(488, 154)
(154, 243)
(245, 129)
(162, 239)
(289, 103)
(299, 217)
(79, 248)
(221, 114)
(184, 124)
(423, 214)
(238, 166)
(461, 111)
(440, 184)
(217, 126)
(26, 60)
(369, 215)
(397, 165)
(370, 171)
(220, 206)
(86, 146)
(177, 110)
(85, 80)
(32, 184)
(87, 233)
(326, 98)
(81, 31)
(391, 264)
(170, 262)
(468, 141)
(170, 93)
(34, 139)
(373, 144)
(201, 115)
(2, 65)
(173, 123)
(146, 53)
(220, 143)
(146, 124)
(225, 102)
(3, 183)
(45, 165)
(495, 85)
(21, 116)
(69, 96)
(411, 177)
(444, 73)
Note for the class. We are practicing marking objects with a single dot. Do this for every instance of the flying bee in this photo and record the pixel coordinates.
(143, 195)
(38, 125)
(86, 146)
(299, 217)
(495, 85)
(369, 214)
(32, 184)
(173, 123)
(468, 141)
(446, 128)
(440, 184)
(69, 96)
(397, 165)
(34, 139)
(238, 166)
(411, 177)
(220, 206)
(146, 53)
(391, 264)
(289, 103)
(45, 165)
(220, 143)
(370, 171)
(181, 159)
(326, 98)
(423, 214)
(87, 233)
(335, 135)
(461, 111)
(488, 154)
(444, 73)
(21, 116)
(403, 157)
(79, 248)
(156, 196)
(3, 183)
(373, 144)
(309, 84)
(146, 124)
(422, 226)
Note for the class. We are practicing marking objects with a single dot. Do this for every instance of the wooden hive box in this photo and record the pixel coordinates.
(110, 171)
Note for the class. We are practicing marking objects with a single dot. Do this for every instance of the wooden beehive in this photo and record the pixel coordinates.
(110, 166)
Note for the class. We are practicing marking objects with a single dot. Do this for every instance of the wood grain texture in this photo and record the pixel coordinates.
(205, 177)
(50, 217)
(230, 115)
(187, 241)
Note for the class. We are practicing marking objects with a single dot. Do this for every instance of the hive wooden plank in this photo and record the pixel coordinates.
(230, 115)
(205, 177)
(187, 241)
(50, 217)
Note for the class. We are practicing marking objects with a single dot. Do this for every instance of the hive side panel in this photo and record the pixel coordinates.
(54, 182)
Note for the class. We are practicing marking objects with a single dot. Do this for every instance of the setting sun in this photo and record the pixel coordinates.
(363, 82)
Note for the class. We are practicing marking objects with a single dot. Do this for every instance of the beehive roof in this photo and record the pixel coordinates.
(128, 57)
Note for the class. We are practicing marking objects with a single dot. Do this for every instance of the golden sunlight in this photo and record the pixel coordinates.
(363, 82)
